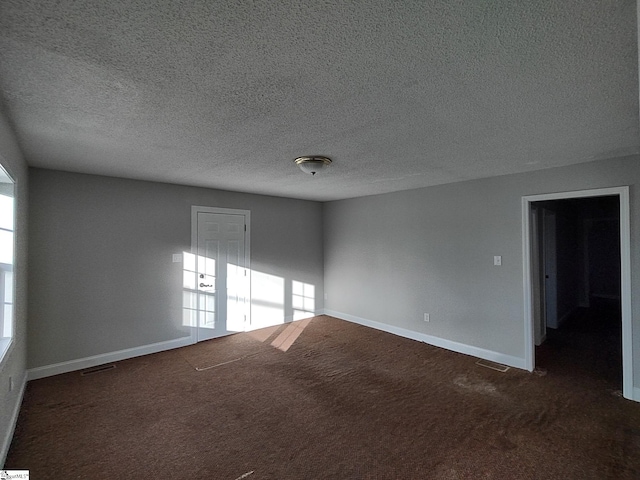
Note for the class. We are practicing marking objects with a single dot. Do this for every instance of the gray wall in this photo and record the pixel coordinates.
(101, 272)
(14, 364)
(390, 258)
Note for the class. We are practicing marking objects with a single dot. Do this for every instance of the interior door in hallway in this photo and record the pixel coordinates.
(550, 267)
(222, 281)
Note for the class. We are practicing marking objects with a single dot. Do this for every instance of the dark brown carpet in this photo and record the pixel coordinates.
(342, 402)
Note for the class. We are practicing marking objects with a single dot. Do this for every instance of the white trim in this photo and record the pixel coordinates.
(15, 195)
(596, 192)
(13, 421)
(628, 389)
(5, 344)
(635, 394)
(490, 355)
(195, 209)
(625, 292)
(529, 324)
(88, 362)
(194, 251)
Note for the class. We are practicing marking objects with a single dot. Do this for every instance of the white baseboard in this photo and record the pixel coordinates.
(13, 420)
(490, 355)
(88, 362)
(635, 394)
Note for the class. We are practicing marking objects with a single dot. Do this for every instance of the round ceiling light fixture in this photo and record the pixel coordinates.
(312, 165)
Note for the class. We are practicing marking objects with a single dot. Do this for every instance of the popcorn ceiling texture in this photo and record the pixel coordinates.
(399, 94)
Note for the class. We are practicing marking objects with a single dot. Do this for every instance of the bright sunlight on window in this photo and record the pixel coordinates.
(6, 260)
(303, 300)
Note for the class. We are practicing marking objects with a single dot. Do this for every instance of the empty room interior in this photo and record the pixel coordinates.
(299, 239)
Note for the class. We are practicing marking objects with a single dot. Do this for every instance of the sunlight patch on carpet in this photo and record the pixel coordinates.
(290, 334)
(229, 349)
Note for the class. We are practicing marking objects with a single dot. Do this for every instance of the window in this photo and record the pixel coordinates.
(6, 260)
(303, 300)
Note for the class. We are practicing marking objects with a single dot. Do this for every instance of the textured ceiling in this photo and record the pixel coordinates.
(399, 94)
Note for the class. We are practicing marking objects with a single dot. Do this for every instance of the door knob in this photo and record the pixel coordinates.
(203, 285)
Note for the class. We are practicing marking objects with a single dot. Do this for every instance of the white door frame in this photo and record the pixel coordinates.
(537, 277)
(625, 280)
(195, 209)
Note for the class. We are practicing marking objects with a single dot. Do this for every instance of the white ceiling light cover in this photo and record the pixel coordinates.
(312, 165)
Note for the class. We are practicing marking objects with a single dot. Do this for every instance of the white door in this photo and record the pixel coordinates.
(550, 269)
(221, 273)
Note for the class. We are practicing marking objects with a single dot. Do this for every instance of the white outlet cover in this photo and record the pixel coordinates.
(497, 260)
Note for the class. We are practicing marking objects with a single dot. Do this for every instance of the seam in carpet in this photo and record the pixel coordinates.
(200, 369)
(244, 475)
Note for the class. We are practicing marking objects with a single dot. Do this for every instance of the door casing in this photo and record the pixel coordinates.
(628, 390)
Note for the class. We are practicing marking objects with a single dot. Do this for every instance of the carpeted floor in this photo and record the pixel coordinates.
(340, 401)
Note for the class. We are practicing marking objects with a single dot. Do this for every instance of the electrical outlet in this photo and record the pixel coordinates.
(426, 317)
(497, 260)
(177, 257)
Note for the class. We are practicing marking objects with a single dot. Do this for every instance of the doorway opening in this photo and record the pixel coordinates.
(577, 283)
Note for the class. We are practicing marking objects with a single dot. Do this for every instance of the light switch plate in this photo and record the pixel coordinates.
(497, 260)
(177, 257)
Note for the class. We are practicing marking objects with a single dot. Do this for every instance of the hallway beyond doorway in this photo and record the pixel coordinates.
(587, 347)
